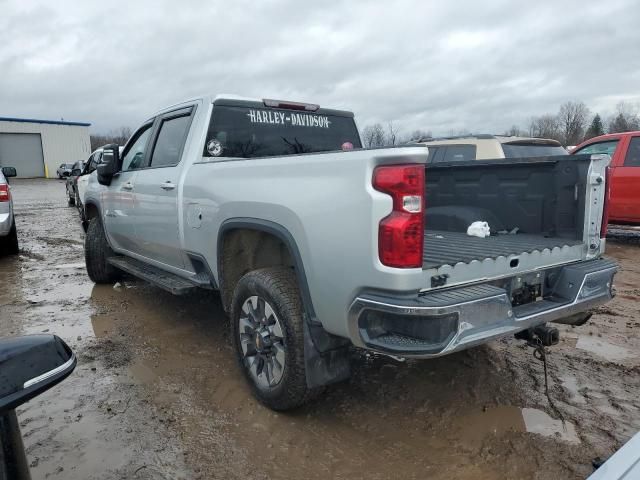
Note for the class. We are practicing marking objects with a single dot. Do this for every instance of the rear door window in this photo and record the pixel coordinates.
(248, 132)
(171, 138)
(632, 159)
(600, 148)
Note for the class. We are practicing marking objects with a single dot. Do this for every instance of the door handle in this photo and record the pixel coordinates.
(168, 185)
(127, 186)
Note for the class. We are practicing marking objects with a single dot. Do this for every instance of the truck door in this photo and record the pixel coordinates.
(157, 190)
(118, 200)
(627, 183)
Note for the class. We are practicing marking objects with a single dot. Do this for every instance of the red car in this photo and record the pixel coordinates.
(624, 148)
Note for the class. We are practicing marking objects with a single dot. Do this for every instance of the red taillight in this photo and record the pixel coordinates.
(401, 233)
(605, 206)
(5, 193)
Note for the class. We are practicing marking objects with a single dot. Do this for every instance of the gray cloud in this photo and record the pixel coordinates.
(439, 66)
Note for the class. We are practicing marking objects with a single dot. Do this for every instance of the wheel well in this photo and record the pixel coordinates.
(243, 250)
(90, 211)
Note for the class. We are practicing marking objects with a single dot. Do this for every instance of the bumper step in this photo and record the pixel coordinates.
(156, 276)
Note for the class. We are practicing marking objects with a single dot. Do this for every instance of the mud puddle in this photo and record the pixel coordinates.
(503, 419)
(157, 392)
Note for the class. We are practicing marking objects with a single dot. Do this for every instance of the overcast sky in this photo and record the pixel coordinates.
(436, 65)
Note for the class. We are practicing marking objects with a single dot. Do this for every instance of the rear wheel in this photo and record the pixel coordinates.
(267, 329)
(96, 253)
(9, 244)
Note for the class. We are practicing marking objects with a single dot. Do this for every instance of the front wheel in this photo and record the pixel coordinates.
(267, 329)
(96, 253)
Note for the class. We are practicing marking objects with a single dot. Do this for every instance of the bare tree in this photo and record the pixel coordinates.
(419, 135)
(545, 126)
(625, 119)
(514, 131)
(119, 136)
(373, 136)
(572, 120)
(392, 134)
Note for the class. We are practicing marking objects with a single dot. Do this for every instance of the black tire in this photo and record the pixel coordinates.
(278, 287)
(96, 253)
(9, 244)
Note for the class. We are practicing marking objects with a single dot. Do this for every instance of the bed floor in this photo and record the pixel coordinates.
(449, 248)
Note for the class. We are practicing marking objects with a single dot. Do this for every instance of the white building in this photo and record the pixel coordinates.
(36, 148)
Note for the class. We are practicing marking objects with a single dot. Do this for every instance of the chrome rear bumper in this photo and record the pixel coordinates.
(443, 322)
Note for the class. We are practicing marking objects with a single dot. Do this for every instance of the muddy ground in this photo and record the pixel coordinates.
(157, 393)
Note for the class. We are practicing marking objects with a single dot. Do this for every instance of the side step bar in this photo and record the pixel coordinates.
(156, 276)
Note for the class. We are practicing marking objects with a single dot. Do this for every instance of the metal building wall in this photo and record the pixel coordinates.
(61, 143)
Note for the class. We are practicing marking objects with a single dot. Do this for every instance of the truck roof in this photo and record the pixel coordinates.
(488, 136)
(239, 100)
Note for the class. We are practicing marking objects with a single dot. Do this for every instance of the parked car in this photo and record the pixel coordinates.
(486, 147)
(8, 233)
(83, 179)
(29, 365)
(70, 185)
(317, 245)
(624, 174)
(64, 170)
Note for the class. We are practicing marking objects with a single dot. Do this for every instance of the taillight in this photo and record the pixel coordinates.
(605, 206)
(401, 233)
(5, 193)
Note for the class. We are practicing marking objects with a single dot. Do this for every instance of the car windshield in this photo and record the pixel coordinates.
(261, 132)
(520, 150)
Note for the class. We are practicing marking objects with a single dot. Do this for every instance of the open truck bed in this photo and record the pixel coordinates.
(545, 209)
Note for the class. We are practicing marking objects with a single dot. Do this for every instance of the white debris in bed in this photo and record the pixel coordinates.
(479, 229)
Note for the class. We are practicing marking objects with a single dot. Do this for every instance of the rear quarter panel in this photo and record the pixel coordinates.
(327, 204)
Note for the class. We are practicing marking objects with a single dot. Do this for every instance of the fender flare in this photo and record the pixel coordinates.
(282, 234)
(326, 355)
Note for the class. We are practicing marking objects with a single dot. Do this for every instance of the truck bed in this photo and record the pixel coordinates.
(449, 248)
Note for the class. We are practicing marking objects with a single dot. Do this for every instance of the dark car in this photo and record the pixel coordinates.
(72, 191)
(64, 170)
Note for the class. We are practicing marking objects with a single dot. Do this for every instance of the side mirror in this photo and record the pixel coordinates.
(9, 172)
(29, 365)
(109, 165)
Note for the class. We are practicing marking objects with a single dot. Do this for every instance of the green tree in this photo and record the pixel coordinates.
(596, 128)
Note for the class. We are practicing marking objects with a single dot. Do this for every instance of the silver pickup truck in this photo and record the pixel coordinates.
(317, 245)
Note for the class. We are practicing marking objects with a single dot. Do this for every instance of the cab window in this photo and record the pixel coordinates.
(633, 153)
(600, 148)
(171, 139)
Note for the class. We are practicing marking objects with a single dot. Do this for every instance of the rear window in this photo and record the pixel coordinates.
(520, 150)
(451, 153)
(262, 132)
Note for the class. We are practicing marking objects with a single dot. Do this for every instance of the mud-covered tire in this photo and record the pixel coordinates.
(96, 253)
(278, 287)
(9, 244)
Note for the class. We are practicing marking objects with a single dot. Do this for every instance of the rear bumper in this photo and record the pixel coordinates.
(443, 322)
(5, 223)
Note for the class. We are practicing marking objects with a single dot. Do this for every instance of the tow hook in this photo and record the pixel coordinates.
(540, 335)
